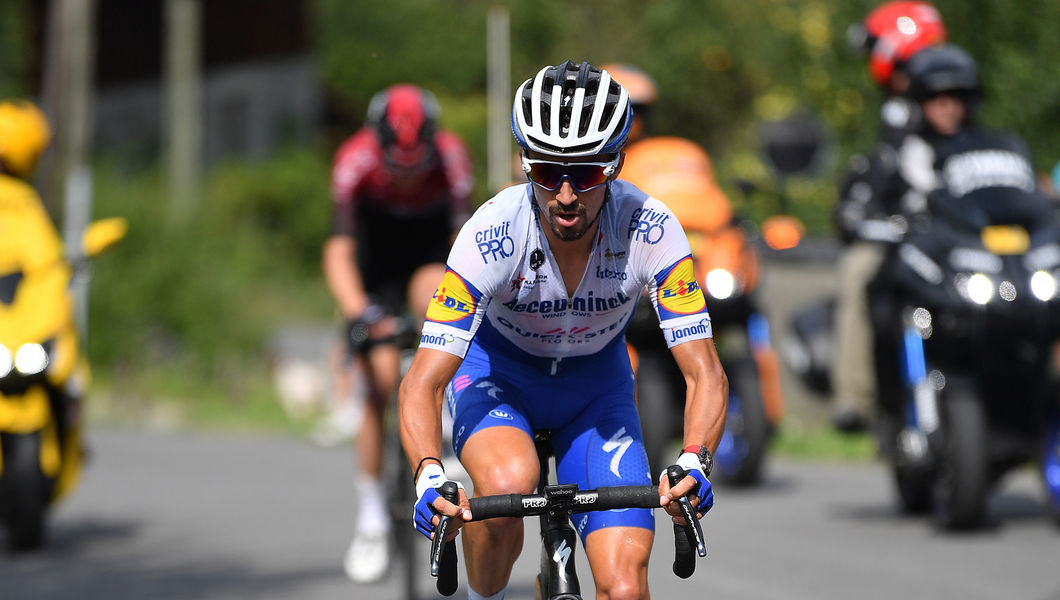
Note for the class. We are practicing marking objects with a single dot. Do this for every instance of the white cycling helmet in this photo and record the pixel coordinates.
(572, 110)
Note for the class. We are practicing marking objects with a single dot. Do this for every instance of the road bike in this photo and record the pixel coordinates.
(554, 504)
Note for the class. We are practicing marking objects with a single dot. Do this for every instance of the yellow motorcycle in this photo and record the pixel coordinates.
(43, 376)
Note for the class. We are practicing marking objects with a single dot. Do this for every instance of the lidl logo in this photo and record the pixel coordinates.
(679, 293)
(453, 301)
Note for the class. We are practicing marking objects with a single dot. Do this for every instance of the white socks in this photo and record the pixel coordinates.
(473, 595)
(372, 514)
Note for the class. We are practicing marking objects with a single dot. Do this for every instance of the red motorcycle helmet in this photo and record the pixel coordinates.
(894, 32)
(405, 118)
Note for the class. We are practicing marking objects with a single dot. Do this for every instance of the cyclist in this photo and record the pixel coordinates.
(401, 188)
(891, 34)
(526, 332)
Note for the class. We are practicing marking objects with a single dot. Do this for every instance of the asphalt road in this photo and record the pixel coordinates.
(181, 515)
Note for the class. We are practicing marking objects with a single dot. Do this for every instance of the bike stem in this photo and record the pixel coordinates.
(557, 536)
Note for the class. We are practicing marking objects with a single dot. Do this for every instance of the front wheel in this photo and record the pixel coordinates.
(401, 495)
(913, 478)
(27, 490)
(742, 450)
(1051, 470)
(915, 494)
(961, 483)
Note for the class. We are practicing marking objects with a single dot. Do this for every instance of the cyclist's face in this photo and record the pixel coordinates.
(570, 213)
(944, 112)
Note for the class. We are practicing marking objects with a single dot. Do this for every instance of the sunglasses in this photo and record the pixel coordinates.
(583, 176)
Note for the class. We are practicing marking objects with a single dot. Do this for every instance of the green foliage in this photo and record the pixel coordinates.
(200, 300)
(722, 68)
(15, 59)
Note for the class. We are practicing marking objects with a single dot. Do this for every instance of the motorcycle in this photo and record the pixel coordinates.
(678, 173)
(43, 377)
(966, 311)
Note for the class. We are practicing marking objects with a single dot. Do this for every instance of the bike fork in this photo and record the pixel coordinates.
(921, 404)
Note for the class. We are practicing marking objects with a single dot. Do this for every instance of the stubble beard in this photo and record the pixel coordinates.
(569, 234)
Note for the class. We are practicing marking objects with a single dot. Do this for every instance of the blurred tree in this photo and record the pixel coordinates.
(16, 49)
(721, 67)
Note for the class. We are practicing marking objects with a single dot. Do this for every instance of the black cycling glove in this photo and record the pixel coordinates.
(358, 327)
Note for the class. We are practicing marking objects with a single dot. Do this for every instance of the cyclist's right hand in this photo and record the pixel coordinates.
(695, 486)
(358, 328)
(430, 503)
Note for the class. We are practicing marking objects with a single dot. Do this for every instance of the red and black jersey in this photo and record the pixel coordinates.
(362, 183)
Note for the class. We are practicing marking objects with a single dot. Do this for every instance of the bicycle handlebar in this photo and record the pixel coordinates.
(518, 505)
(568, 498)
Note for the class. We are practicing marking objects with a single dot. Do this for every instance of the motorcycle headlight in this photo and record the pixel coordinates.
(980, 289)
(720, 284)
(1043, 285)
(6, 361)
(31, 359)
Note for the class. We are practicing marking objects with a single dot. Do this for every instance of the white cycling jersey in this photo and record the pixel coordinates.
(501, 278)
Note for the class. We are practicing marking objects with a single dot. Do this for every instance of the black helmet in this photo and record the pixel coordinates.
(942, 68)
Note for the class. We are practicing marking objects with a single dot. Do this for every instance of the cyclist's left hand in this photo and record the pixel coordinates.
(695, 482)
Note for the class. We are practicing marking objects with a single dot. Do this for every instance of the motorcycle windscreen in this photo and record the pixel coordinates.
(8, 287)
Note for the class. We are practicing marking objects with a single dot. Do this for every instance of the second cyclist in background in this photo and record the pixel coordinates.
(400, 187)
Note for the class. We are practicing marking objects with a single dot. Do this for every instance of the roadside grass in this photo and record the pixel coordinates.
(821, 442)
(246, 403)
(167, 399)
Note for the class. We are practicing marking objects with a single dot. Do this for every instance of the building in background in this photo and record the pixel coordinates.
(259, 86)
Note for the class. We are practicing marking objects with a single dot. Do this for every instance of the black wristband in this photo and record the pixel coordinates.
(706, 459)
(416, 475)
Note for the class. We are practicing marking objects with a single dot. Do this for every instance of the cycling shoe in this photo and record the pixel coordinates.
(367, 557)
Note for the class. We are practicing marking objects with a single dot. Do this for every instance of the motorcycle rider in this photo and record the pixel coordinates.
(680, 173)
(950, 158)
(952, 169)
(870, 194)
(401, 188)
(29, 241)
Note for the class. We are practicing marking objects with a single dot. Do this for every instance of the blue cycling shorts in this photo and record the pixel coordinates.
(586, 402)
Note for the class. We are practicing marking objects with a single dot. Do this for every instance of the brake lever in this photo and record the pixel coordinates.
(688, 535)
(443, 554)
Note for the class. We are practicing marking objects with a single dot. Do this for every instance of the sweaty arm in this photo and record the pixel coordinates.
(354, 161)
(707, 396)
(705, 406)
(420, 400)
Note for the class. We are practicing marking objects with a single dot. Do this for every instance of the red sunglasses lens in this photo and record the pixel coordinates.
(582, 177)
